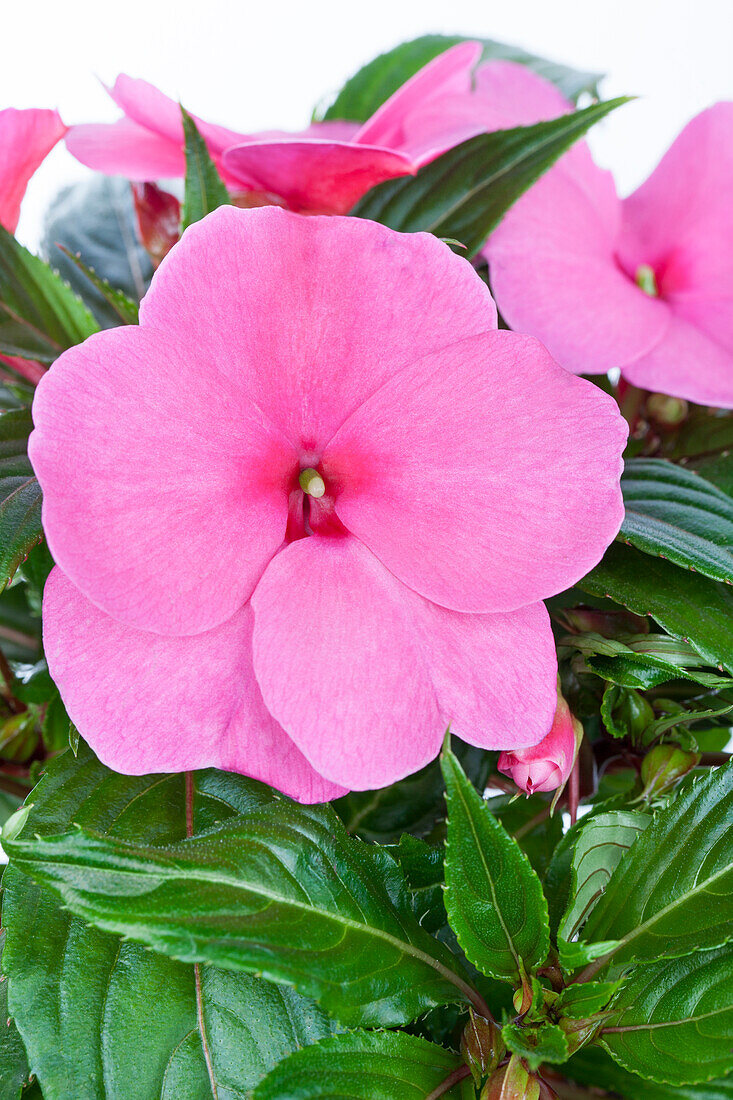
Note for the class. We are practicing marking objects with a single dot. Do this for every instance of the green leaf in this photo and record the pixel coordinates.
(422, 866)
(528, 821)
(598, 850)
(104, 1019)
(673, 1019)
(40, 315)
(283, 892)
(205, 190)
(464, 193)
(673, 891)
(593, 1067)
(672, 513)
(368, 89)
(96, 221)
(644, 671)
(13, 1061)
(687, 605)
(546, 1043)
(20, 628)
(361, 1065)
(414, 805)
(20, 523)
(124, 309)
(578, 1002)
(493, 897)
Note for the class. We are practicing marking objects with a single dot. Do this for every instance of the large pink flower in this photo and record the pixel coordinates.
(26, 138)
(206, 610)
(644, 283)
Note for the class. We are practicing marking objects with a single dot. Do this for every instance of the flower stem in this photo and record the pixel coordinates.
(451, 1080)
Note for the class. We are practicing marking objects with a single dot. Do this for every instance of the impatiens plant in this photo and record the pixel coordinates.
(365, 673)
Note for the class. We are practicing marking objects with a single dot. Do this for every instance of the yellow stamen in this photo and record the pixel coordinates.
(646, 280)
(312, 483)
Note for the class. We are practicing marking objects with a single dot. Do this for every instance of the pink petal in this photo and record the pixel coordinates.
(281, 304)
(365, 676)
(127, 149)
(447, 74)
(26, 138)
(485, 477)
(680, 223)
(321, 176)
(555, 275)
(209, 712)
(686, 363)
(165, 490)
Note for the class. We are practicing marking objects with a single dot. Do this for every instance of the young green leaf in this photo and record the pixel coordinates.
(205, 190)
(578, 1002)
(104, 1019)
(123, 309)
(283, 892)
(493, 897)
(368, 89)
(598, 850)
(464, 193)
(40, 315)
(687, 605)
(673, 1019)
(362, 1065)
(672, 513)
(672, 892)
(544, 1043)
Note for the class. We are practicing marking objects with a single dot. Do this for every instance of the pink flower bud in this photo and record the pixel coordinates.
(546, 766)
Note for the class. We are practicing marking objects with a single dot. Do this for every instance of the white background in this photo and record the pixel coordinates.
(256, 65)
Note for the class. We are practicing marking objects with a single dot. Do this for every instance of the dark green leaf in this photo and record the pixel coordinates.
(672, 513)
(15, 427)
(592, 1066)
(528, 820)
(414, 805)
(600, 844)
(673, 1019)
(121, 307)
(13, 1061)
(96, 221)
(368, 89)
(673, 891)
(283, 892)
(205, 190)
(104, 1019)
(687, 605)
(361, 1065)
(422, 866)
(20, 628)
(493, 897)
(464, 193)
(20, 522)
(536, 1045)
(40, 315)
(644, 671)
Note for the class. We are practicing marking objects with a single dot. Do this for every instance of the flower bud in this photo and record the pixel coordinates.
(511, 1082)
(482, 1046)
(667, 412)
(546, 766)
(158, 216)
(664, 766)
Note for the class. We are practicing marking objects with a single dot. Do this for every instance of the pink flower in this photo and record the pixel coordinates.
(644, 283)
(26, 138)
(546, 766)
(304, 514)
(147, 142)
(324, 169)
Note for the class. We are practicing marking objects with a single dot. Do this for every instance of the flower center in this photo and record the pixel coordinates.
(646, 280)
(312, 483)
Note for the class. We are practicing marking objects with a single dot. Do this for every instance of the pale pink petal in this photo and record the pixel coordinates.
(151, 108)
(284, 306)
(686, 363)
(318, 175)
(366, 676)
(554, 274)
(447, 74)
(26, 138)
(485, 476)
(165, 490)
(127, 149)
(151, 704)
(340, 666)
